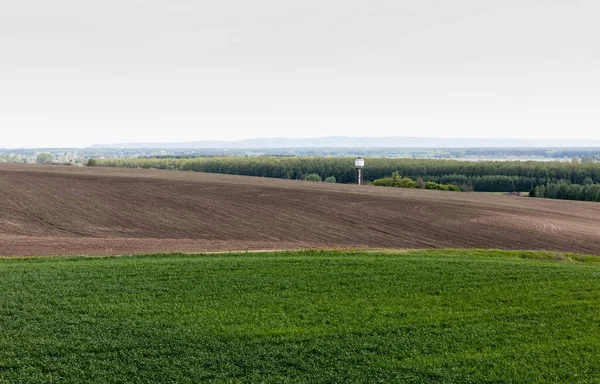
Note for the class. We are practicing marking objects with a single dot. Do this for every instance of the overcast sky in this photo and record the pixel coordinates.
(79, 72)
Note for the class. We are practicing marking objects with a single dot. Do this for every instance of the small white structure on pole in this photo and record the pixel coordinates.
(359, 163)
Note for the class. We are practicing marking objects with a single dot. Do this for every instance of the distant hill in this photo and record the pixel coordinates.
(362, 142)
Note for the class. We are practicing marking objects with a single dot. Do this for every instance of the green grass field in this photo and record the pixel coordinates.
(315, 317)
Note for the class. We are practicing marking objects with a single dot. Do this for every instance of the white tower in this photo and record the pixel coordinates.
(359, 163)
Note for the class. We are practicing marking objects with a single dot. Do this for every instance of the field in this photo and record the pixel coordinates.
(319, 317)
(59, 210)
(378, 315)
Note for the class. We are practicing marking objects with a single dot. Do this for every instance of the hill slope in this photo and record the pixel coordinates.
(51, 210)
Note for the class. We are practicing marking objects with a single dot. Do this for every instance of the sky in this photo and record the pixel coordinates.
(83, 72)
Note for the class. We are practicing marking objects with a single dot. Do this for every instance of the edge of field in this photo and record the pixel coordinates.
(554, 256)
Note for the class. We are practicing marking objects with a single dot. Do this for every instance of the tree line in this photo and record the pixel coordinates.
(567, 191)
(478, 176)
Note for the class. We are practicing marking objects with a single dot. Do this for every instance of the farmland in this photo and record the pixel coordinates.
(555, 180)
(410, 317)
(303, 307)
(56, 210)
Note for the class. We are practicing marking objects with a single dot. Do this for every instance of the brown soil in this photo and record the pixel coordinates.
(56, 210)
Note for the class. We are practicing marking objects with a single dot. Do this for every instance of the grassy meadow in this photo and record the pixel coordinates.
(315, 317)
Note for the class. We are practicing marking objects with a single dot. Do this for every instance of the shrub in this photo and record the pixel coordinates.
(92, 163)
(443, 187)
(395, 181)
(44, 158)
(407, 183)
(312, 177)
(330, 179)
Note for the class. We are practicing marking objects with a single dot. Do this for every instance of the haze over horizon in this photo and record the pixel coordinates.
(75, 74)
(362, 142)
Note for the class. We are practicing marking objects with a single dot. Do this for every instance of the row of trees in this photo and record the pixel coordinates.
(477, 176)
(343, 168)
(567, 191)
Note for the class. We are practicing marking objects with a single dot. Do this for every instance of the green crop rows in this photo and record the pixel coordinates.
(413, 317)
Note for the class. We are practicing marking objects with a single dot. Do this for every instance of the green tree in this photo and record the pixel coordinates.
(313, 177)
(44, 158)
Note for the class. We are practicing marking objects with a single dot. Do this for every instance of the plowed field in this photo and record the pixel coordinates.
(55, 210)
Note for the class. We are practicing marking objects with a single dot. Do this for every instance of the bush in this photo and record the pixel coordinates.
(443, 187)
(313, 177)
(330, 179)
(92, 163)
(407, 183)
(395, 181)
(44, 158)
